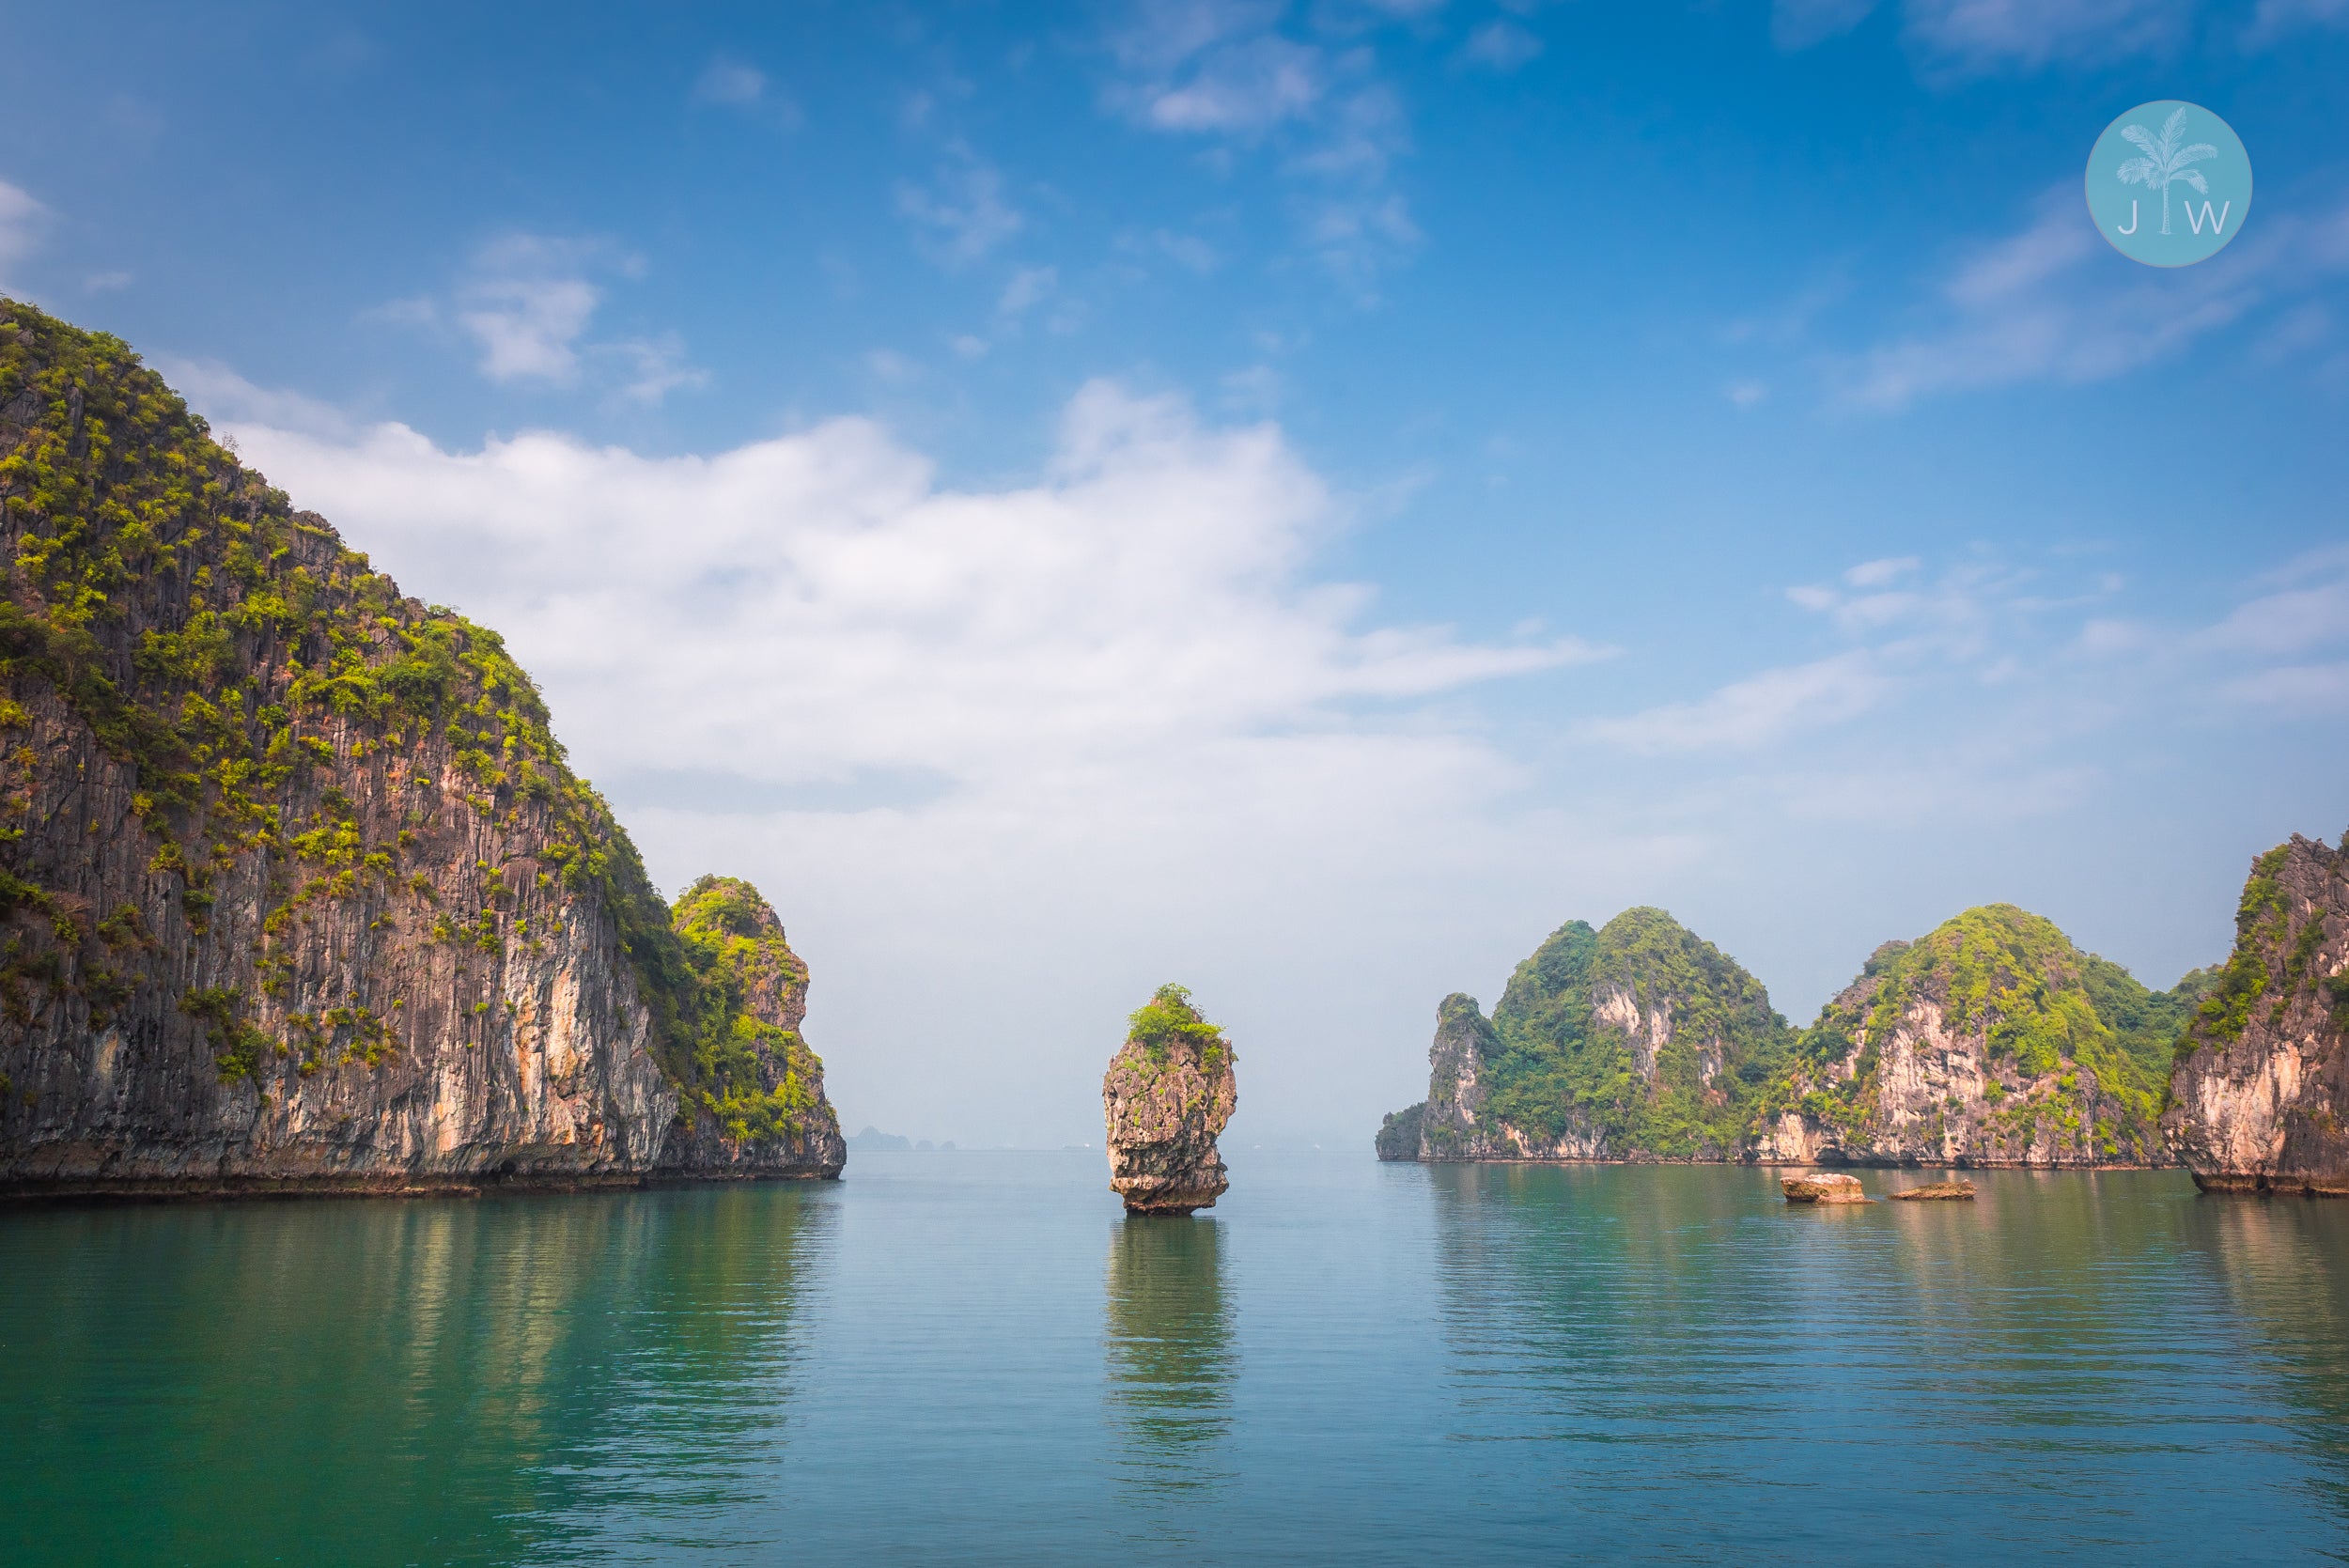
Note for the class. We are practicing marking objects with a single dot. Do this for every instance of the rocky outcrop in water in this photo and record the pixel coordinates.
(1822, 1186)
(2260, 1092)
(1636, 1041)
(1936, 1192)
(1168, 1094)
(1990, 1041)
(297, 889)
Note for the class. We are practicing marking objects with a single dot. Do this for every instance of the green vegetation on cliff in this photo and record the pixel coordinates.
(1641, 1030)
(1640, 1040)
(2043, 1009)
(734, 948)
(232, 653)
(1169, 1019)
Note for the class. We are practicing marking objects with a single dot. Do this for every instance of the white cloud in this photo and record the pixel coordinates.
(1983, 34)
(1247, 86)
(893, 368)
(2052, 303)
(1979, 784)
(527, 302)
(421, 310)
(1973, 622)
(727, 82)
(2316, 689)
(1875, 574)
(2275, 20)
(730, 81)
(1188, 251)
(2293, 621)
(2101, 639)
(651, 368)
(23, 221)
(1245, 77)
(229, 400)
(527, 327)
(1029, 286)
(1757, 711)
(105, 283)
(962, 213)
(1801, 24)
(1145, 597)
(1957, 39)
(1256, 389)
(1501, 45)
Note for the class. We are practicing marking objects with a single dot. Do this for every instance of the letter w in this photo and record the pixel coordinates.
(2217, 225)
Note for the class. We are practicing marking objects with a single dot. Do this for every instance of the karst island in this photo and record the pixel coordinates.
(1167, 1094)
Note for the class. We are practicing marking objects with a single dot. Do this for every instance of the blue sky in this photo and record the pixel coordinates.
(1300, 499)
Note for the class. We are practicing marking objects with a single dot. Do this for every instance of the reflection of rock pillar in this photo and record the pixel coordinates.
(1170, 1344)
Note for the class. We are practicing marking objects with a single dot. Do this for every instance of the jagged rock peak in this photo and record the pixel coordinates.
(297, 887)
(2260, 1092)
(1168, 1094)
(1637, 1040)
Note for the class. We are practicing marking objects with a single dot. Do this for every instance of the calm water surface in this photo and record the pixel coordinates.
(973, 1357)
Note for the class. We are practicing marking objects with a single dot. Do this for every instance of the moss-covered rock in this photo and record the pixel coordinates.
(2260, 1090)
(1169, 1091)
(1992, 1040)
(296, 884)
(1638, 1040)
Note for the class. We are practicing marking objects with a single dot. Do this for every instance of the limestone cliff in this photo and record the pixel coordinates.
(1991, 1041)
(2260, 1092)
(1168, 1094)
(1636, 1041)
(296, 887)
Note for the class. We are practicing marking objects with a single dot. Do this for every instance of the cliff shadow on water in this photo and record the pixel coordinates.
(378, 1382)
(1172, 1365)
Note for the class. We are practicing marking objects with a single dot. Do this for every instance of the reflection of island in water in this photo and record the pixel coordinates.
(410, 1381)
(1170, 1348)
(2285, 1261)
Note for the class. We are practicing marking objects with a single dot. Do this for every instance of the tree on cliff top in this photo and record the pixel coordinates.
(1169, 1019)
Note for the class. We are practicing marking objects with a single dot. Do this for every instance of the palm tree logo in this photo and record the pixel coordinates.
(2166, 161)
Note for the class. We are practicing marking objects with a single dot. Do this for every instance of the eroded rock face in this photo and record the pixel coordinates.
(1991, 1041)
(296, 889)
(1168, 1094)
(2260, 1093)
(1822, 1186)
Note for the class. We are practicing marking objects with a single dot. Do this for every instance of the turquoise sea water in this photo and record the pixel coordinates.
(973, 1358)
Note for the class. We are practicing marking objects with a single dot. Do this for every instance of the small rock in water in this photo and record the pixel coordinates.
(1169, 1091)
(1822, 1186)
(1936, 1189)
